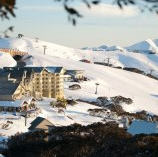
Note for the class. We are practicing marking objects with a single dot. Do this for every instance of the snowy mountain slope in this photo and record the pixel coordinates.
(6, 60)
(143, 90)
(142, 61)
(144, 46)
(29, 45)
(115, 48)
(100, 48)
(103, 47)
(156, 42)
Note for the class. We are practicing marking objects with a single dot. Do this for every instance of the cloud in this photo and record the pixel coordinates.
(108, 10)
(101, 10)
(42, 8)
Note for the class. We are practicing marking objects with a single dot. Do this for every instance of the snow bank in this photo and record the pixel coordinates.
(6, 60)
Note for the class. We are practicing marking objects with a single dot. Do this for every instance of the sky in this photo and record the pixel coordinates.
(104, 24)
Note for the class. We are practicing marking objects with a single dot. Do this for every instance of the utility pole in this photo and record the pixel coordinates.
(26, 118)
(96, 91)
(108, 60)
(45, 47)
(36, 39)
(151, 71)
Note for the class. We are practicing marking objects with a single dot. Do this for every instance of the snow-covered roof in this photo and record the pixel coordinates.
(139, 126)
(16, 103)
(54, 69)
(16, 71)
(67, 76)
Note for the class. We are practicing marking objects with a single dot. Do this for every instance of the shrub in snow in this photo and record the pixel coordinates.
(121, 99)
(103, 101)
(103, 113)
(75, 86)
(71, 102)
(134, 70)
(60, 103)
(99, 112)
(115, 108)
(53, 103)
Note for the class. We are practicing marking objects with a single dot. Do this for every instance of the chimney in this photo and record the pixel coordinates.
(25, 74)
(8, 76)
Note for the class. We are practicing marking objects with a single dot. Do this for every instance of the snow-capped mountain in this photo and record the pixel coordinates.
(143, 90)
(144, 46)
(156, 42)
(149, 46)
(103, 47)
(100, 48)
(115, 48)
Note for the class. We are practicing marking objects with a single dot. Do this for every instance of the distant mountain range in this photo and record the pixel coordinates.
(148, 45)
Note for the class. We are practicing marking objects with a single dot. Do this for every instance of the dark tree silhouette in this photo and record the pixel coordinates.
(7, 8)
(6, 32)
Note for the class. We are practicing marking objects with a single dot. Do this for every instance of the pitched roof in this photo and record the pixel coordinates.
(37, 121)
(17, 70)
(8, 87)
(54, 69)
(16, 103)
(74, 72)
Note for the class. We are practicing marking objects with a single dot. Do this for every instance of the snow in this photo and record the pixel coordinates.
(114, 48)
(138, 127)
(113, 82)
(103, 47)
(6, 58)
(147, 45)
(16, 103)
(141, 89)
(17, 126)
(73, 114)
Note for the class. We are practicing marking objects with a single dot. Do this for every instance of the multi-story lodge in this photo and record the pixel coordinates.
(38, 82)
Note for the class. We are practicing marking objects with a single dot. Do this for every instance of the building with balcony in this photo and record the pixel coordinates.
(17, 83)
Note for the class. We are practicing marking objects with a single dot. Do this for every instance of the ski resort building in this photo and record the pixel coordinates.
(13, 52)
(18, 105)
(75, 74)
(40, 123)
(17, 83)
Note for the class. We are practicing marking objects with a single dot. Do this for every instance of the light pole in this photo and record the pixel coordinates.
(151, 71)
(108, 60)
(26, 118)
(96, 91)
(36, 39)
(45, 47)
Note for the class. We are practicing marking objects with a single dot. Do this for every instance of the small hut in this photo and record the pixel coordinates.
(41, 123)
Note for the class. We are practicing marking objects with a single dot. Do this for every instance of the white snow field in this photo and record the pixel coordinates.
(6, 60)
(113, 82)
(73, 114)
(118, 56)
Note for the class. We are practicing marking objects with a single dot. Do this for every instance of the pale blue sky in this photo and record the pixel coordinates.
(48, 21)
